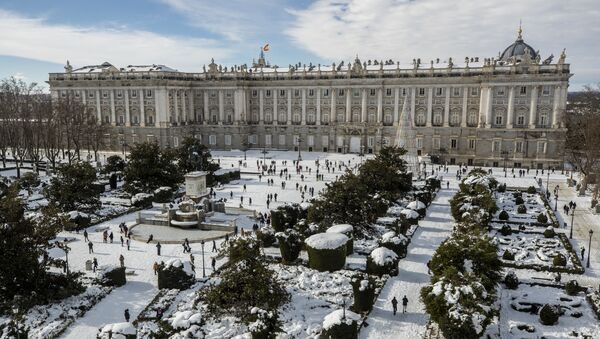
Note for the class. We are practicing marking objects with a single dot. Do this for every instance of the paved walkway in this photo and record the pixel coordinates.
(433, 229)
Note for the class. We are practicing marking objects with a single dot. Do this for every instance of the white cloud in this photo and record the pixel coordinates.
(429, 29)
(34, 38)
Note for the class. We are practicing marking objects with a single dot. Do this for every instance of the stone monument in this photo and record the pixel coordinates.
(195, 185)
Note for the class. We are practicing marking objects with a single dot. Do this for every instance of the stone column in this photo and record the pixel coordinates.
(184, 106)
(511, 107)
(333, 113)
(447, 108)
(556, 107)
(413, 104)
(379, 105)
(348, 104)
(363, 105)
(192, 111)
(206, 113)
(289, 106)
(463, 119)
(429, 106)
(221, 107)
(127, 117)
(488, 107)
(482, 107)
(533, 107)
(318, 106)
(176, 117)
(303, 118)
(113, 112)
(261, 106)
(142, 110)
(98, 107)
(396, 118)
(275, 108)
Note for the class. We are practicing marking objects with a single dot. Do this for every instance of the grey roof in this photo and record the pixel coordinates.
(517, 50)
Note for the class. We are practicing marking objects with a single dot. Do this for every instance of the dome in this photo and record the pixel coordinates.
(518, 49)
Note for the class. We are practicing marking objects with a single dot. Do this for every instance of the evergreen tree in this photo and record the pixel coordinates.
(73, 188)
(149, 168)
(114, 163)
(193, 155)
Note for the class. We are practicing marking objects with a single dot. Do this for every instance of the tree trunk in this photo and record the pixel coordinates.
(584, 184)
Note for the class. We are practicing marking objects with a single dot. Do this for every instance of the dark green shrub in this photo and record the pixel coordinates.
(511, 280)
(501, 188)
(242, 248)
(519, 200)
(290, 245)
(163, 195)
(559, 260)
(277, 221)
(266, 325)
(29, 180)
(175, 275)
(346, 230)
(531, 190)
(326, 251)
(507, 255)
(113, 276)
(266, 236)
(112, 181)
(142, 200)
(549, 315)
(398, 244)
(363, 288)
(286, 216)
(542, 218)
(549, 232)
(572, 287)
(382, 261)
(335, 328)
(503, 215)
(522, 209)
(506, 230)
(517, 194)
(77, 221)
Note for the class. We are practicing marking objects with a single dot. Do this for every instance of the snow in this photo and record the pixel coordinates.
(383, 256)
(326, 241)
(415, 205)
(118, 328)
(392, 237)
(337, 317)
(341, 228)
(184, 319)
(186, 266)
(410, 214)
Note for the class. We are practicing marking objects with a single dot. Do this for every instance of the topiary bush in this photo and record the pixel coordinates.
(175, 275)
(501, 188)
(363, 288)
(382, 261)
(507, 255)
(396, 243)
(334, 327)
(266, 236)
(503, 215)
(112, 276)
(542, 218)
(290, 245)
(572, 287)
(522, 209)
(29, 180)
(549, 315)
(517, 194)
(163, 195)
(506, 230)
(346, 230)
(326, 251)
(531, 190)
(287, 216)
(511, 280)
(519, 200)
(559, 260)
(549, 232)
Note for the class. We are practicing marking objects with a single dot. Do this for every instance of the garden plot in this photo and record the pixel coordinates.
(507, 202)
(519, 314)
(535, 251)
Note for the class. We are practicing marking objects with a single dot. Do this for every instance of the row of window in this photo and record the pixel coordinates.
(105, 94)
(541, 146)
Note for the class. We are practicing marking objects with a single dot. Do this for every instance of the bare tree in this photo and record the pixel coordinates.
(73, 120)
(583, 132)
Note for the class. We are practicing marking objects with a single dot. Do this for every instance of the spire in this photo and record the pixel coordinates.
(520, 32)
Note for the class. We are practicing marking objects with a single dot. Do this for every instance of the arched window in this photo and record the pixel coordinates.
(356, 115)
(296, 118)
(454, 117)
(325, 118)
(310, 118)
(420, 118)
(472, 118)
(387, 118)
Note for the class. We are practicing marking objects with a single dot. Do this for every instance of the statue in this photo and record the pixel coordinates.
(563, 56)
(68, 67)
(450, 63)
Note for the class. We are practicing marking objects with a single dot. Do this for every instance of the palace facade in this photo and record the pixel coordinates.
(483, 111)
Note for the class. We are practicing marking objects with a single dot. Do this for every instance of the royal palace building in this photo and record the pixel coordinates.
(481, 111)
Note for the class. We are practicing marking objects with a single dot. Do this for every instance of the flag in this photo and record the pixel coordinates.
(266, 48)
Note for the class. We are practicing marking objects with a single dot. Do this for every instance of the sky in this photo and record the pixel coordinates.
(37, 37)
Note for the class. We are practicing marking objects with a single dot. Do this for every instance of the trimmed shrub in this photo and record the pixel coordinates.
(290, 245)
(522, 209)
(517, 194)
(266, 325)
(396, 243)
(506, 230)
(29, 180)
(382, 261)
(163, 195)
(175, 275)
(507, 255)
(549, 232)
(519, 200)
(542, 218)
(511, 280)
(363, 288)
(266, 236)
(503, 215)
(572, 287)
(334, 327)
(346, 230)
(549, 315)
(501, 188)
(531, 190)
(559, 260)
(142, 200)
(286, 216)
(77, 221)
(113, 276)
(277, 221)
(326, 251)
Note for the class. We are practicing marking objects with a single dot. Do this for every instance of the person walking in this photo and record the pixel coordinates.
(104, 236)
(121, 240)
(213, 263)
(127, 242)
(150, 238)
(158, 246)
(404, 304)
(90, 247)
(122, 260)
(155, 268)
(126, 314)
(582, 252)
(110, 237)
(214, 247)
(85, 236)
(192, 258)
(395, 305)
(94, 264)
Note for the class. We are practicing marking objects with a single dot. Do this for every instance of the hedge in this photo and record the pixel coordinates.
(174, 277)
(326, 259)
(115, 277)
(363, 289)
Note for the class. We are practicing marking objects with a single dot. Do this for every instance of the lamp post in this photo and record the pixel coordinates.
(203, 270)
(589, 249)
(548, 181)
(555, 199)
(264, 152)
(572, 220)
(505, 156)
(245, 144)
(299, 154)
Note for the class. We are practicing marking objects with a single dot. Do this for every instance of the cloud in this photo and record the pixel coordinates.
(34, 38)
(428, 29)
(235, 20)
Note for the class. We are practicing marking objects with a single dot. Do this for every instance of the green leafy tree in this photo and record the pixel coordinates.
(193, 155)
(246, 282)
(386, 174)
(73, 188)
(149, 168)
(114, 163)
